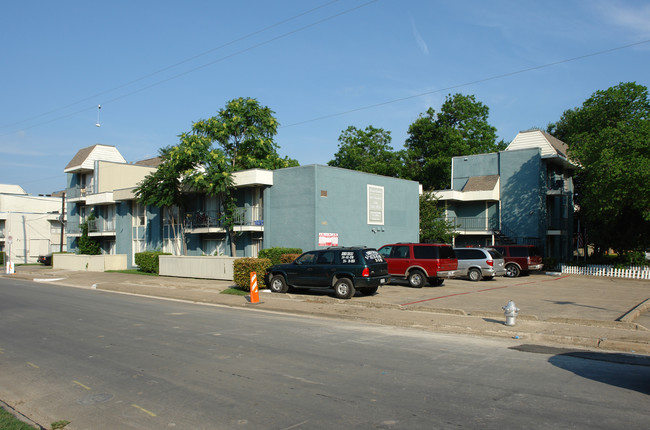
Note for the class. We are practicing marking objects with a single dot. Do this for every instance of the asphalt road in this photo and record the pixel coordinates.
(104, 360)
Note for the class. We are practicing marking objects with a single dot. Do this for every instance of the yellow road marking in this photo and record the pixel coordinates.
(81, 385)
(33, 365)
(144, 410)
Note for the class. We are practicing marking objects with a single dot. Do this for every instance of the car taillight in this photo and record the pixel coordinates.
(490, 262)
(365, 273)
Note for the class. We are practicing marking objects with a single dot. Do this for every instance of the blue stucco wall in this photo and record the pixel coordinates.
(295, 210)
(522, 190)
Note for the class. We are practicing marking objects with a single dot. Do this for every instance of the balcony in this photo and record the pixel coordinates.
(469, 225)
(557, 186)
(101, 227)
(246, 219)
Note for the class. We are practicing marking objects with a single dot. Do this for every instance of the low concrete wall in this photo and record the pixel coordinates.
(206, 267)
(89, 263)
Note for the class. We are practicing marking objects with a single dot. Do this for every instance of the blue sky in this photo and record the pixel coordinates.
(155, 67)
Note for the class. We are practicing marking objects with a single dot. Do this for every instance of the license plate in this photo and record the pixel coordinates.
(382, 281)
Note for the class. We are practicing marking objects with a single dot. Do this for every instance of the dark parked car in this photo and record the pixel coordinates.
(479, 263)
(45, 260)
(419, 262)
(520, 259)
(346, 270)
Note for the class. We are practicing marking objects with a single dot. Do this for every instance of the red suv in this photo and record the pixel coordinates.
(520, 259)
(419, 262)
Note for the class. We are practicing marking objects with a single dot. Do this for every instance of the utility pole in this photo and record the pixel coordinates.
(62, 221)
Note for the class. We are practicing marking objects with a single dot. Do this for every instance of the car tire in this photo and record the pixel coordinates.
(474, 275)
(344, 289)
(416, 279)
(436, 282)
(368, 291)
(512, 271)
(278, 284)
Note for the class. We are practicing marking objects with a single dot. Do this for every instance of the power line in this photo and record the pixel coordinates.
(478, 81)
(188, 60)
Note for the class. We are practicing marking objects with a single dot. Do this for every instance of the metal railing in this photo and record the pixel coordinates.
(101, 225)
(250, 216)
(473, 224)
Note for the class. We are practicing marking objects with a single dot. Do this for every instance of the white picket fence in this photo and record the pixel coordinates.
(631, 272)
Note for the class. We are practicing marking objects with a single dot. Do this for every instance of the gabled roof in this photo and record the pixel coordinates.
(481, 183)
(150, 162)
(84, 159)
(548, 144)
(11, 189)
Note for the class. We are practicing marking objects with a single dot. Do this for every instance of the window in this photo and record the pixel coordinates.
(426, 252)
(375, 205)
(139, 219)
(326, 257)
(308, 258)
(401, 252)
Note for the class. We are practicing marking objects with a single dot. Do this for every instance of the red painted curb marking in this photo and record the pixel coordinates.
(480, 291)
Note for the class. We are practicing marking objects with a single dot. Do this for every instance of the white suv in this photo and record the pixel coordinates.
(479, 263)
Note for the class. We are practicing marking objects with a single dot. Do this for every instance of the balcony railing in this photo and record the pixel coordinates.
(101, 225)
(250, 216)
(474, 224)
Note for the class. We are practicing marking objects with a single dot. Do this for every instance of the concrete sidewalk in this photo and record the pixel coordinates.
(576, 311)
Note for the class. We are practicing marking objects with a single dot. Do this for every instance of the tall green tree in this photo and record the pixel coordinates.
(433, 226)
(460, 128)
(609, 137)
(368, 151)
(239, 137)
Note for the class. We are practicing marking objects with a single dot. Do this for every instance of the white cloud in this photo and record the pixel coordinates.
(630, 15)
(418, 39)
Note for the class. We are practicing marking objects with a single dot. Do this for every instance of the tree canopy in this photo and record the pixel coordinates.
(368, 151)
(609, 137)
(460, 128)
(243, 132)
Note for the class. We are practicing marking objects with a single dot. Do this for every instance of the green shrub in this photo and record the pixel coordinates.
(2, 258)
(148, 261)
(288, 258)
(275, 254)
(242, 268)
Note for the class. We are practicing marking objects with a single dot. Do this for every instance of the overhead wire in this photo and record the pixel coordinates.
(478, 81)
(178, 75)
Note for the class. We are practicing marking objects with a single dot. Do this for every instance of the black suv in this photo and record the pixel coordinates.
(346, 270)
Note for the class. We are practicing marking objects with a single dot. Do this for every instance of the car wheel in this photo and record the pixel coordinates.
(369, 291)
(512, 271)
(436, 282)
(416, 279)
(278, 284)
(474, 275)
(344, 288)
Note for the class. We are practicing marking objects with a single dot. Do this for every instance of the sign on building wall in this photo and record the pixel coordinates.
(328, 239)
(375, 205)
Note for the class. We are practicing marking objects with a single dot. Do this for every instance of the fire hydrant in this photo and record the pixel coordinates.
(510, 311)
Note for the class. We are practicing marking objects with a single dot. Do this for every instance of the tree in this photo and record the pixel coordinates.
(368, 151)
(244, 132)
(461, 128)
(88, 245)
(609, 137)
(433, 226)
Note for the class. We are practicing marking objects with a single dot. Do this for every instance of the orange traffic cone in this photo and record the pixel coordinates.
(255, 296)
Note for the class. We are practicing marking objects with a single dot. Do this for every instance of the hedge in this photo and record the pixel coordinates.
(288, 258)
(148, 261)
(275, 254)
(2, 258)
(242, 268)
